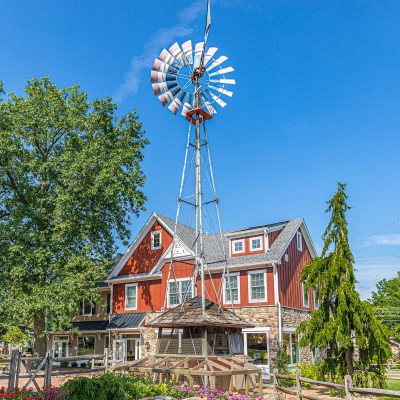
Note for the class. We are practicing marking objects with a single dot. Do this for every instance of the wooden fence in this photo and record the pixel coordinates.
(44, 368)
(348, 387)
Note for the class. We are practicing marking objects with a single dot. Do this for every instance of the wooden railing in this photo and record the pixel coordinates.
(348, 387)
(44, 368)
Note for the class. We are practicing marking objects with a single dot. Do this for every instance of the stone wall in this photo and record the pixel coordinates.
(265, 316)
(149, 343)
(291, 318)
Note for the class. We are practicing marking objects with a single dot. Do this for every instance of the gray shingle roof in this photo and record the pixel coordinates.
(95, 326)
(123, 321)
(214, 254)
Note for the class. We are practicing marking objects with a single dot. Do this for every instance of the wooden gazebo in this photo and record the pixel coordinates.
(201, 347)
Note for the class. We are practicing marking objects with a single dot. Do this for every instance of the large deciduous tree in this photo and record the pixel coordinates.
(343, 324)
(70, 177)
(386, 301)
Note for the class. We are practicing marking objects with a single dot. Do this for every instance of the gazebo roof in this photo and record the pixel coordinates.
(190, 313)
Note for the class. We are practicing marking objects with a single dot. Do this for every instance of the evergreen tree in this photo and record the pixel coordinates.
(343, 325)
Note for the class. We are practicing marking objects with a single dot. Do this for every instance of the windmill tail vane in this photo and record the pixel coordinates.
(192, 81)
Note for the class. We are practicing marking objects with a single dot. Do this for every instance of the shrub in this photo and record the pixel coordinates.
(104, 387)
(84, 365)
(282, 364)
(74, 364)
(64, 364)
(49, 393)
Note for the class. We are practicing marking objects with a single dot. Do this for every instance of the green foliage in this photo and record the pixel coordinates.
(74, 364)
(386, 301)
(311, 371)
(282, 365)
(70, 176)
(15, 336)
(64, 364)
(104, 387)
(343, 322)
(138, 387)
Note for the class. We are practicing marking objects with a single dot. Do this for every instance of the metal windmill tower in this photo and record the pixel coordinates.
(192, 81)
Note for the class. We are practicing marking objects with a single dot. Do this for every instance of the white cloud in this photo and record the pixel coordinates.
(163, 37)
(392, 239)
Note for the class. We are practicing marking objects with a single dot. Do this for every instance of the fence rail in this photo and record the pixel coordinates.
(44, 368)
(348, 387)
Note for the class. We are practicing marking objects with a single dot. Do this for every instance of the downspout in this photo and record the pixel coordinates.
(277, 302)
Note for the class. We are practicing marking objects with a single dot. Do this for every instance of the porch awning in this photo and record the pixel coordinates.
(91, 326)
(126, 321)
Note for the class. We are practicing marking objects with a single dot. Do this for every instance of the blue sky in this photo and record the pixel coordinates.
(316, 102)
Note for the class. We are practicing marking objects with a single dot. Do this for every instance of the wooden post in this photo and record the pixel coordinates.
(298, 385)
(348, 385)
(105, 360)
(275, 380)
(13, 369)
(47, 369)
(18, 370)
(246, 384)
(260, 383)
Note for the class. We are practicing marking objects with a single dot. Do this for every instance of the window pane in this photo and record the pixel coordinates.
(257, 347)
(156, 240)
(85, 345)
(257, 286)
(131, 297)
(238, 246)
(256, 244)
(173, 294)
(295, 349)
(87, 307)
(233, 280)
(186, 290)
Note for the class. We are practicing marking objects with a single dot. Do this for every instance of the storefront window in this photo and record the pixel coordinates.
(257, 347)
(291, 346)
(85, 345)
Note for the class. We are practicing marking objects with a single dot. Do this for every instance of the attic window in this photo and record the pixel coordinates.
(156, 240)
(299, 241)
(256, 243)
(237, 246)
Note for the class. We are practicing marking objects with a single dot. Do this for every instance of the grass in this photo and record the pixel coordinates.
(392, 384)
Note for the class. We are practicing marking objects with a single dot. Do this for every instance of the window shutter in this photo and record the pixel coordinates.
(108, 303)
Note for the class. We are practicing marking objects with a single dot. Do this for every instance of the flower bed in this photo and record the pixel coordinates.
(115, 387)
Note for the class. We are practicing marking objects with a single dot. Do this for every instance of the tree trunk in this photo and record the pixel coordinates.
(349, 360)
(39, 340)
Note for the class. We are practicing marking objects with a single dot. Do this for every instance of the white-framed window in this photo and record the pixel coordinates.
(299, 240)
(316, 299)
(232, 287)
(179, 291)
(156, 240)
(256, 243)
(85, 345)
(257, 286)
(237, 246)
(306, 302)
(131, 290)
(290, 344)
(87, 308)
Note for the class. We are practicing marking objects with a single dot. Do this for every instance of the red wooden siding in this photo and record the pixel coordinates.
(143, 258)
(290, 289)
(272, 236)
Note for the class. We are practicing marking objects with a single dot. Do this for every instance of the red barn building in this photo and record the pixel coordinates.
(264, 271)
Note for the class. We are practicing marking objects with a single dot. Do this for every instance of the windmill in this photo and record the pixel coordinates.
(192, 81)
(199, 341)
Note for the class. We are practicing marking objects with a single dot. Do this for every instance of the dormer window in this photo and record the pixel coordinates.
(299, 241)
(156, 240)
(256, 243)
(237, 246)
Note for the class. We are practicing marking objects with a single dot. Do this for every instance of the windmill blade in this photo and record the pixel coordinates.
(164, 67)
(222, 71)
(211, 110)
(217, 62)
(162, 87)
(225, 81)
(210, 52)
(187, 104)
(168, 58)
(187, 51)
(166, 97)
(177, 102)
(197, 54)
(162, 77)
(216, 99)
(222, 90)
(177, 53)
